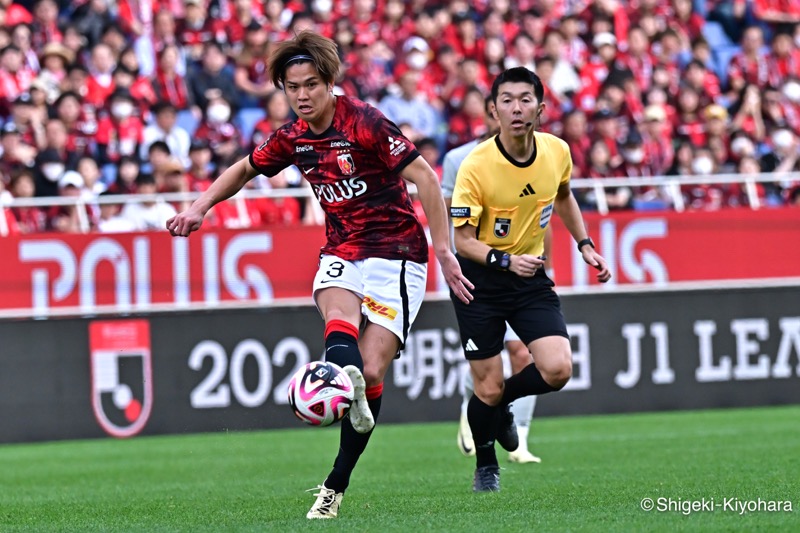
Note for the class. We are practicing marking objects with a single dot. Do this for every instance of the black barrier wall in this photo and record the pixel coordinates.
(213, 371)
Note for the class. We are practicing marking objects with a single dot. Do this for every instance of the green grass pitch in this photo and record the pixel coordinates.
(595, 473)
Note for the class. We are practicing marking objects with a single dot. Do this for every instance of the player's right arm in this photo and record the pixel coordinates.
(226, 185)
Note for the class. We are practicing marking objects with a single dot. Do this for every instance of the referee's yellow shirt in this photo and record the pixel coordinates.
(511, 202)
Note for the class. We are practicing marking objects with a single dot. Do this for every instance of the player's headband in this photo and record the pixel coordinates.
(298, 57)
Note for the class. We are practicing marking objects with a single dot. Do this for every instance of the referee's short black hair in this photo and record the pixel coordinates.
(521, 75)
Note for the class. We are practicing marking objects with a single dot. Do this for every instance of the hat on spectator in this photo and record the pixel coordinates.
(193, 2)
(9, 128)
(59, 50)
(71, 179)
(416, 43)
(654, 113)
(23, 99)
(603, 113)
(634, 138)
(715, 111)
(604, 38)
(172, 166)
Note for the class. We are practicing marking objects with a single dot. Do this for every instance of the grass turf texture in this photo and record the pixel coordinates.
(595, 472)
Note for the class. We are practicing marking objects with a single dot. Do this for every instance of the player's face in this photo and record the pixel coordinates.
(517, 107)
(310, 97)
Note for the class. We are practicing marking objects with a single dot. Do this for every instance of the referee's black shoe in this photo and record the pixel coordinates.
(487, 479)
(507, 431)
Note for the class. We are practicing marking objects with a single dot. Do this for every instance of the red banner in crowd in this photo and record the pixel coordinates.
(132, 272)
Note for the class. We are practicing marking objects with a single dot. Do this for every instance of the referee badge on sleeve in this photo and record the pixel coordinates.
(460, 212)
(502, 226)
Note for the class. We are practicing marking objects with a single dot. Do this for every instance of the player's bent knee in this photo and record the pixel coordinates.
(559, 374)
(490, 394)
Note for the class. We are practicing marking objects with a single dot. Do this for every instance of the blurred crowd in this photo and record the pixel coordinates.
(150, 96)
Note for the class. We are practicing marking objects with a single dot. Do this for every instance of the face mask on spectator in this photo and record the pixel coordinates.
(742, 146)
(53, 171)
(791, 90)
(634, 156)
(122, 109)
(702, 166)
(218, 113)
(417, 60)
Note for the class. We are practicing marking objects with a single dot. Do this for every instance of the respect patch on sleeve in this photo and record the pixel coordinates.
(460, 212)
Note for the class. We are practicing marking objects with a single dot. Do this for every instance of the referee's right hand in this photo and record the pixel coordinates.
(525, 265)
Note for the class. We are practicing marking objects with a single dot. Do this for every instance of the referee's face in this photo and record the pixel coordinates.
(517, 107)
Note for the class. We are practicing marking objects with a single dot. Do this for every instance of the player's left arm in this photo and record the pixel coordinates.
(570, 213)
(425, 179)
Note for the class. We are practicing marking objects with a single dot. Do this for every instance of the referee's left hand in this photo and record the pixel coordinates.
(457, 282)
(592, 258)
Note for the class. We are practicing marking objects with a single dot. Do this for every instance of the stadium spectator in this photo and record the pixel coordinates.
(71, 218)
(747, 113)
(110, 220)
(278, 113)
(171, 177)
(119, 131)
(148, 214)
(201, 171)
(564, 80)
(410, 107)
(216, 128)
(574, 133)
(468, 123)
(90, 18)
(127, 173)
(15, 152)
(749, 65)
(100, 82)
(29, 219)
(163, 127)
(250, 74)
(213, 76)
(168, 84)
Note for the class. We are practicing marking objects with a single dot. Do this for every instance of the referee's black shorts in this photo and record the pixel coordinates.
(529, 305)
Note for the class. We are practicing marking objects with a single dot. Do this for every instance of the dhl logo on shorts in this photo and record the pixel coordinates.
(380, 309)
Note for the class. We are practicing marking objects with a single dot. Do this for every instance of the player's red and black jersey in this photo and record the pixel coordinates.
(354, 168)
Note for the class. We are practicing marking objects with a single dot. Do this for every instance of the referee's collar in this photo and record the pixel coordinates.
(513, 161)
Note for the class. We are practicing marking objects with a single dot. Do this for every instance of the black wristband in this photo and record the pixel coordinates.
(498, 260)
(584, 242)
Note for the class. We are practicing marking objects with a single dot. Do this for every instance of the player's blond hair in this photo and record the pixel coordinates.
(306, 46)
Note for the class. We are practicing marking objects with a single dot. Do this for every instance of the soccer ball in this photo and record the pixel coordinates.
(320, 393)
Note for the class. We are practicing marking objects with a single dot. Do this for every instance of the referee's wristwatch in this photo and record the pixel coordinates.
(584, 242)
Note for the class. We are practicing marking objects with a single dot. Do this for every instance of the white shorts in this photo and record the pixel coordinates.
(391, 290)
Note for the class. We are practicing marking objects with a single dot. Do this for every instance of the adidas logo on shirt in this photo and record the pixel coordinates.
(471, 346)
(527, 191)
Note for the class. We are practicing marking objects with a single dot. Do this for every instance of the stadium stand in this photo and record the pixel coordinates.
(669, 87)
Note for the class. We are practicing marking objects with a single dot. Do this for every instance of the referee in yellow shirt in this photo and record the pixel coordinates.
(507, 189)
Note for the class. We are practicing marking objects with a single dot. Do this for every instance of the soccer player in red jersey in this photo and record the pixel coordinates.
(371, 278)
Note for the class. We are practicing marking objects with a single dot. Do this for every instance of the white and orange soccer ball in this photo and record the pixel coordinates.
(320, 393)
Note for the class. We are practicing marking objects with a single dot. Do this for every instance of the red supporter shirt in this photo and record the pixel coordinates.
(354, 169)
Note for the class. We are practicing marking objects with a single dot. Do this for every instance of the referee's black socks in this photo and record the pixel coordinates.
(483, 420)
(341, 344)
(527, 382)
